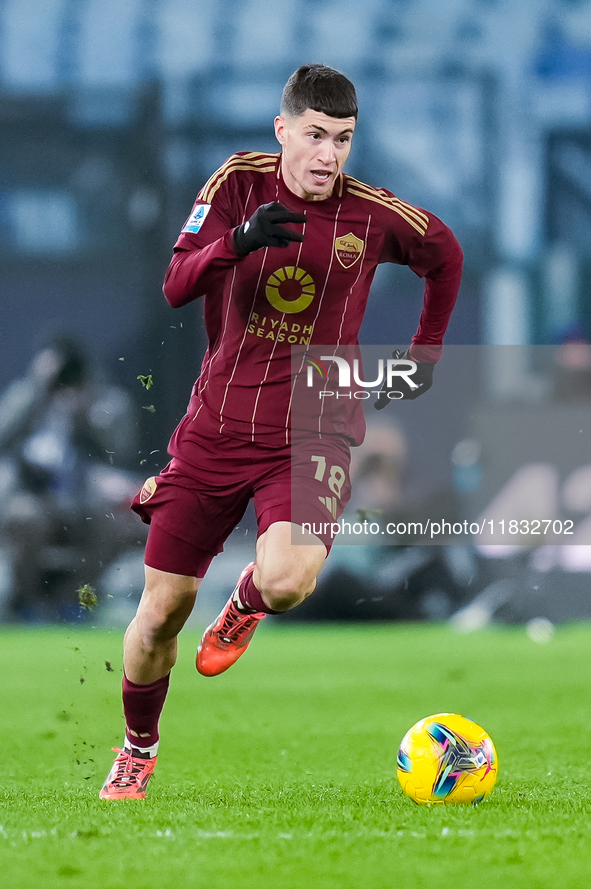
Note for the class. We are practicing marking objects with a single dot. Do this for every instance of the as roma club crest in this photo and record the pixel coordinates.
(348, 249)
(148, 490)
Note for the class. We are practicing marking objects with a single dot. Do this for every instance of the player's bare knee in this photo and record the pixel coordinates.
(163, 629)
(160, 622)
(283, 592)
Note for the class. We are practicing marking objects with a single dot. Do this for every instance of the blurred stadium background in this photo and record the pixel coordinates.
(112, 116)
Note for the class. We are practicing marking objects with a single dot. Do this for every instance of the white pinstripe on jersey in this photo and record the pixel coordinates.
(209, 363)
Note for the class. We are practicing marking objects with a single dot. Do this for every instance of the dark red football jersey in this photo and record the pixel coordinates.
(315, 292)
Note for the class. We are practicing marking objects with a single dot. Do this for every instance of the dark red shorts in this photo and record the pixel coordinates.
(199, 498)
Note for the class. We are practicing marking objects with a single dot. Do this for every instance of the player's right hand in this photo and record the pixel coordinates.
(265, 229)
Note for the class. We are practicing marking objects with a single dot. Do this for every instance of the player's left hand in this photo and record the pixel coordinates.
(422, 377)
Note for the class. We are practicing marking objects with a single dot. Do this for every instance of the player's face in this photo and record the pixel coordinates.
(315, 148)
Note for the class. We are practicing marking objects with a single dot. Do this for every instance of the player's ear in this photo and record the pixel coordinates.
(280, 126)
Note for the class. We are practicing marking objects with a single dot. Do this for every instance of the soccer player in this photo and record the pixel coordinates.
(282, 248)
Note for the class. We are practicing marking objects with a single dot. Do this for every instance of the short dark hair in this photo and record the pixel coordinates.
(321, 89)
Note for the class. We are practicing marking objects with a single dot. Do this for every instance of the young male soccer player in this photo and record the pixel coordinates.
(282, 248)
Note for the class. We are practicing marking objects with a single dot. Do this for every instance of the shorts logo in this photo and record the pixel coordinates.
(331, 504)
(348, 249)
(197, 218)
(148, 490)
(290, 289)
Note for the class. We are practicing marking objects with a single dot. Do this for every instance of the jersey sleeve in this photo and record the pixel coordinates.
(429, 247)
(204, 249)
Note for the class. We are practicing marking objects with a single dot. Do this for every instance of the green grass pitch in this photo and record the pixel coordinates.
(282, 772)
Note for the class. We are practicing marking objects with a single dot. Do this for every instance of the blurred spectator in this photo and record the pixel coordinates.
(377, 468)
(63, 504)
(408, 581)
(572, 367)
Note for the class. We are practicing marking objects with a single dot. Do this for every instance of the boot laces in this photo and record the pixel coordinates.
(128, 768)
(235, 624)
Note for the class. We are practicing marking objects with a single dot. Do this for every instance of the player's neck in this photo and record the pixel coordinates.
(293, 186)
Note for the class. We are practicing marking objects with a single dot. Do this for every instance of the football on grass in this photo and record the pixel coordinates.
(446, 758)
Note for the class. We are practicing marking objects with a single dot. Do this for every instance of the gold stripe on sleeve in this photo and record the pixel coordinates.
(412, 215)
(263, 163)
(381, 192)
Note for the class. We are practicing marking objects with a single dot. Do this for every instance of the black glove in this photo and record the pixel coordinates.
(422, 376)
(263, 229)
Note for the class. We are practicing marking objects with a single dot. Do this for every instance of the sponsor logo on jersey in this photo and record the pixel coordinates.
(290, 290)
(348, 249)
(148, 490)
(197, 218)
(268, 328)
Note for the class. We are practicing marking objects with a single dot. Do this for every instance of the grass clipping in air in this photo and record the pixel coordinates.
(87, 597)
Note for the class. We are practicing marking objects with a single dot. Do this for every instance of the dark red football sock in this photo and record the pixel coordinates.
(142, 706)
(250, 598)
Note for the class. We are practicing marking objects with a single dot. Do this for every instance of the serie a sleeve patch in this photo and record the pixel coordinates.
(197, 218)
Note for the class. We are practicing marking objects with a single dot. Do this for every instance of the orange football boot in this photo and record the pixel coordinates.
(228, 637)
(129, 776)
